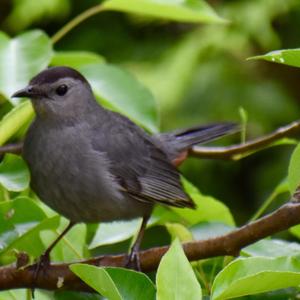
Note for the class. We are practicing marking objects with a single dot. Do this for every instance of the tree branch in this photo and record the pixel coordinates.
(236, 152)
(11, 148)
(229, 244)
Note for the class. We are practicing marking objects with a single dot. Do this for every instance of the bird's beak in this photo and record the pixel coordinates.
(29, 91)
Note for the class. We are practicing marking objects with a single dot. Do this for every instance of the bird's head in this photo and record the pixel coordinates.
(58, 91)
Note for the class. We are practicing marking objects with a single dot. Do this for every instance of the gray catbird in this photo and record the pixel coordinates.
(94, 165)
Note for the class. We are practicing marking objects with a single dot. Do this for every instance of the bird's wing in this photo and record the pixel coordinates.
(140, 168)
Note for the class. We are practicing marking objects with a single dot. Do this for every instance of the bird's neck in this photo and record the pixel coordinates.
(76, 114)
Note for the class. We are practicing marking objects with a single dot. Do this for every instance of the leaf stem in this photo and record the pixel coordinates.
(76, 21)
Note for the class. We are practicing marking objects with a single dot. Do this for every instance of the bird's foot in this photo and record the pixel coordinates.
(133, 260)
(41, 264)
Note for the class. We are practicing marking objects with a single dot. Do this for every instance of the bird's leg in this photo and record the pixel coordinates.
(44, 259)
(133, 260)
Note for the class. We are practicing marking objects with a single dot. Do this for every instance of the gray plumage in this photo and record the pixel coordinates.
(94, 165)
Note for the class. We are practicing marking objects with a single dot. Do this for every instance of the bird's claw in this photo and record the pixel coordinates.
(133, 260)
(42, 263)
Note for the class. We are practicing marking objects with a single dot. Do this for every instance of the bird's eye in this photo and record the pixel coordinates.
(61, 90)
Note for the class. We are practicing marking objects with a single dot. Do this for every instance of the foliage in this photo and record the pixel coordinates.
(158, 58)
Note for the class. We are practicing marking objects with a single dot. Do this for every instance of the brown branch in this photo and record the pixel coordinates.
(11, 148)
(235, 152)
(229, 244)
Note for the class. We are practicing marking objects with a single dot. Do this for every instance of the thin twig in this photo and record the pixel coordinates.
(229, 244)
(11, 148)
(76, 21)
(236, 152)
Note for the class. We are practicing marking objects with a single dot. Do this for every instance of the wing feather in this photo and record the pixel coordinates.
(142, 169)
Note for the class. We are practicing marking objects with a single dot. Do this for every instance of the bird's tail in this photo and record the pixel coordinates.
(176, 142)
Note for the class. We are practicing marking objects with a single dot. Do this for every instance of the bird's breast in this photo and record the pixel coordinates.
(74, 179)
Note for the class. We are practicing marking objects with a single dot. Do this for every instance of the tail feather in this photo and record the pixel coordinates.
(174, 143)
(199, 135)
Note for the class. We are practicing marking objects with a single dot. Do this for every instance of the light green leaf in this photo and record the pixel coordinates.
(14, 174)
(75, 59)
(294, 170)
(13, 121)
(21, 211)
(24, 241)
(116, 283)
(71, 247)
(175, 278)
(295, 230)
(208, 209)
(120, 91)
(247, 276)
(272, 248)
(114, 232)
(23, 294)
(21, 221)
(179, 231)
(289, 57)
(177, 10)
(206, 230)
(21, 58)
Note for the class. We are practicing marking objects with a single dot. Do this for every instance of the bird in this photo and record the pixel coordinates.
(93, 165)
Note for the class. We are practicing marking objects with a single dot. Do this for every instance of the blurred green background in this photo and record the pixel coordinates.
(198, 74)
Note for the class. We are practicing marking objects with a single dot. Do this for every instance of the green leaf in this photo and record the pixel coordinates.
(25, 241)
(295, 230)
(13, 121)
(23, 294)
(25, 13)
(20, 211)
(21, 220)
(294, 170)
(14, 174)
(176, 10)
(71, 247)
(116, 283)
(208, 209)
(131, 284)
(75, 59)
(21, 58)
(179, 231)
(120, 91)
(114, 232)
(247, 276)
(206, 230)
(75, 295)
(175, 278)
(289, 57)
(272, 248)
